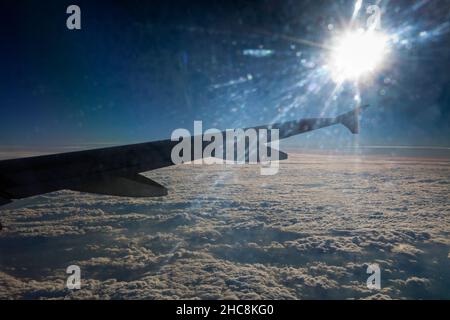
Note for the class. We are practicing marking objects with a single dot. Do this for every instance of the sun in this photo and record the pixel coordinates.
(356, 54)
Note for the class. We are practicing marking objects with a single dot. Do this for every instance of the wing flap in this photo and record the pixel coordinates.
(122, 186)
(4, 201)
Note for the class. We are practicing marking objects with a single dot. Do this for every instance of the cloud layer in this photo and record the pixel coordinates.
(229, 233)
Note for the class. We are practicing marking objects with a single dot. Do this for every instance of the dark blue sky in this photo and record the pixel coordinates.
(139, 69)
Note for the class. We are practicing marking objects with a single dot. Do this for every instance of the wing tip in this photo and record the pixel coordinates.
(351, 119)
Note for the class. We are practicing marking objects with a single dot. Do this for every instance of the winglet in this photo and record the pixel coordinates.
(351, 119)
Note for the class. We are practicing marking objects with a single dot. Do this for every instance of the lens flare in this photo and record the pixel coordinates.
(357, 54)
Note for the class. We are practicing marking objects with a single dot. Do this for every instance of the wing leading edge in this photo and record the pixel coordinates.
(115, 170)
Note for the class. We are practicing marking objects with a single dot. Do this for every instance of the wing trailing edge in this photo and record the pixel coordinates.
(4, 201)
(122, 186)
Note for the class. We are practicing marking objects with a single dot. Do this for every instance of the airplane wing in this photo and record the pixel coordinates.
(115, 170)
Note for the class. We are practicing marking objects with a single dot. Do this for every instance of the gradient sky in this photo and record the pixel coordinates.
(138, 70)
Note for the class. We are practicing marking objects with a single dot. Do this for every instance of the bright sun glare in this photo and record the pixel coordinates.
(357, 53)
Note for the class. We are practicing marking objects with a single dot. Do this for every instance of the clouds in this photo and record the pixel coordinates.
(227, 232)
